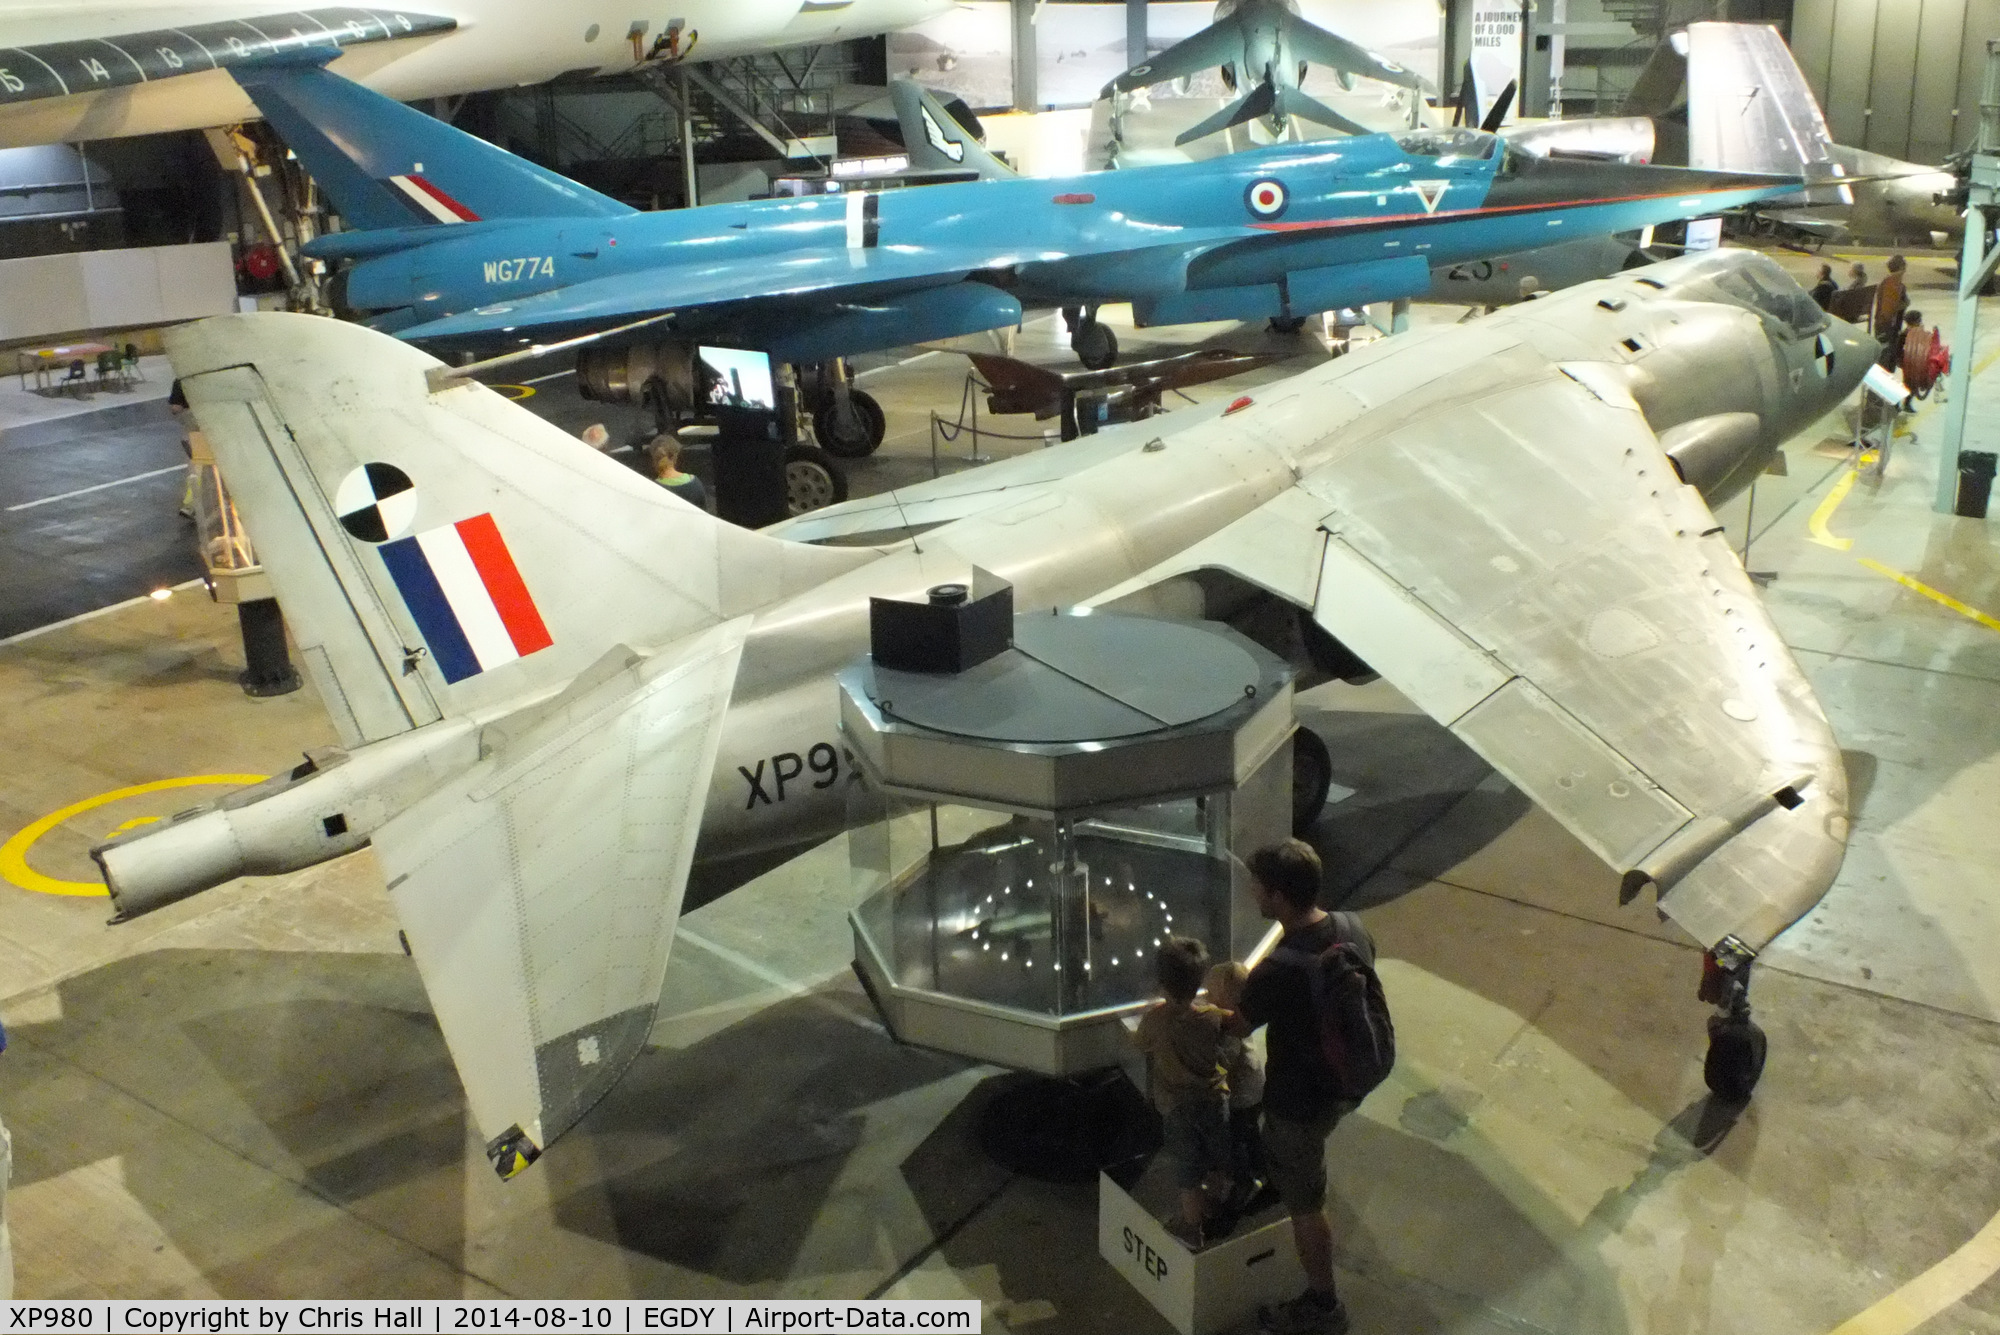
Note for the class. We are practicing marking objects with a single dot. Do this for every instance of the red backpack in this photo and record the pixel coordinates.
(1357, 1039)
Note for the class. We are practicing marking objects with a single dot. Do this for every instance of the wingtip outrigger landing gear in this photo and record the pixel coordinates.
(1094, 344)
(1736, 1046)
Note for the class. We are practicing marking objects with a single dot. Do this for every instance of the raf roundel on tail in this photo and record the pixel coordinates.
(376, 502)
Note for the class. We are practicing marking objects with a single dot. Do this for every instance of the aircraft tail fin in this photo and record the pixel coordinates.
(1751, 110)
(448, 553)
(1268, 100)
(386, 165)
(1294, 102)
(935, 141)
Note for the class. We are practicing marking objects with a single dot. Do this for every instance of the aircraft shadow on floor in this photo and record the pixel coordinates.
(729, 1157)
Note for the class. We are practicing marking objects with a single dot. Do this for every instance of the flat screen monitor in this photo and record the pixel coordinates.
(737, 378)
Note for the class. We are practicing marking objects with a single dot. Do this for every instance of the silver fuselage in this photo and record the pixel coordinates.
(1685, 350)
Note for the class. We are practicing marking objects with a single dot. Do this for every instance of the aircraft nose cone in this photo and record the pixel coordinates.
(1853, 351)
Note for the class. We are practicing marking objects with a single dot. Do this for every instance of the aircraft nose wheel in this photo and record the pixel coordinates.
(1287, 324)
(1736, 1046)
(854, 433)
(1094, 345)
(813, 479)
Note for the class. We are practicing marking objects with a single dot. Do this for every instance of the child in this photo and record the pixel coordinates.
(1246, 1087)
(1182, 1040)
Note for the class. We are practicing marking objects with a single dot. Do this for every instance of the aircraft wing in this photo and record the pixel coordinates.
(59, 68)
(539, 891)
(678, 287)
(1315, 45)
(1218, 44)
(1516, 555)
(1827, 227)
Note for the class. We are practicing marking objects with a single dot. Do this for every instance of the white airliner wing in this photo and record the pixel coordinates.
(1520, 560)
(539, 891)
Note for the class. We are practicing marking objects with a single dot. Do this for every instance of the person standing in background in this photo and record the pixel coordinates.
(1891, 300)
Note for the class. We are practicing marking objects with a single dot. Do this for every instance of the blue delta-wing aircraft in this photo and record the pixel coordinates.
(456, 242)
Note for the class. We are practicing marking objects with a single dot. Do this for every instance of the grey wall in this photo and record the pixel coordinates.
(1900, 77)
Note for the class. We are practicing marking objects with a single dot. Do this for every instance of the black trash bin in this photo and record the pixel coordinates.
(1975, 483)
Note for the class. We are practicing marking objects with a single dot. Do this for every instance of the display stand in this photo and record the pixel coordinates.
(749, 463)
(1048, 798)
(235, 576)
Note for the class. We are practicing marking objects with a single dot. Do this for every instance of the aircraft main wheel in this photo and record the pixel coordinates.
(813, 480)
(1736, 1051)
(1287, 324)
(1312, 778)
(1095, 346)
(854, 434)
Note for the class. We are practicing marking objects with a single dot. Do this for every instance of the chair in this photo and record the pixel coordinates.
(128, 365)
(77, 379)
(107, 368)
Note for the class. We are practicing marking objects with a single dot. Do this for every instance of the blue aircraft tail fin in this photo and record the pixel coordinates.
(387, 165)
(935, 140)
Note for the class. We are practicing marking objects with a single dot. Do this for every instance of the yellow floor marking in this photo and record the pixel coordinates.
(14, 853)
(1934, 1290)
(134, 824)
(1943, 599)
(515, 392)
(1816, 526)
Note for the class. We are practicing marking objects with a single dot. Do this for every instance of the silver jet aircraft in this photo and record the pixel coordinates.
(1750, 109)
(557, 686)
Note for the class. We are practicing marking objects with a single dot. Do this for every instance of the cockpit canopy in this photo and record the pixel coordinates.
(1449, 146)
(1760, 284)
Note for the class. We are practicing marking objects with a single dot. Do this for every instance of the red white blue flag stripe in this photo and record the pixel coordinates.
(430, 201)
(467, 596)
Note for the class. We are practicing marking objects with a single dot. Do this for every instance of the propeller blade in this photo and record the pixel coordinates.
(1498, 115)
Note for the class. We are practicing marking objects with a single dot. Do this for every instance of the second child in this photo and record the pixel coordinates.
(1246, 1092)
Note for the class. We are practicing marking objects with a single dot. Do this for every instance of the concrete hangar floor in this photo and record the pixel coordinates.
(244, 1094)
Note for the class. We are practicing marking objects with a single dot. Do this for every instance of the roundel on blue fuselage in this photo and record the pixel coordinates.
(1266, 198)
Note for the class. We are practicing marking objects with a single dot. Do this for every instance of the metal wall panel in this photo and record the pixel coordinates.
(1933, 127)
(1812, 42)
(1900, 77)
(1982, 21)
(1892, 82)
(1850, 74)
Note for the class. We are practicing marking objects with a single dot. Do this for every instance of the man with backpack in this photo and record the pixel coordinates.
(1328, 1043)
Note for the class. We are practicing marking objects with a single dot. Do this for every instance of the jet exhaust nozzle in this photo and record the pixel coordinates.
(196, 851)
(329, 806)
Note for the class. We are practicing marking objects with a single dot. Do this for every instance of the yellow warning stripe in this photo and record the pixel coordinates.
(1942, 599)
(14, 853)
(1934, 1290)
(1816, 526)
